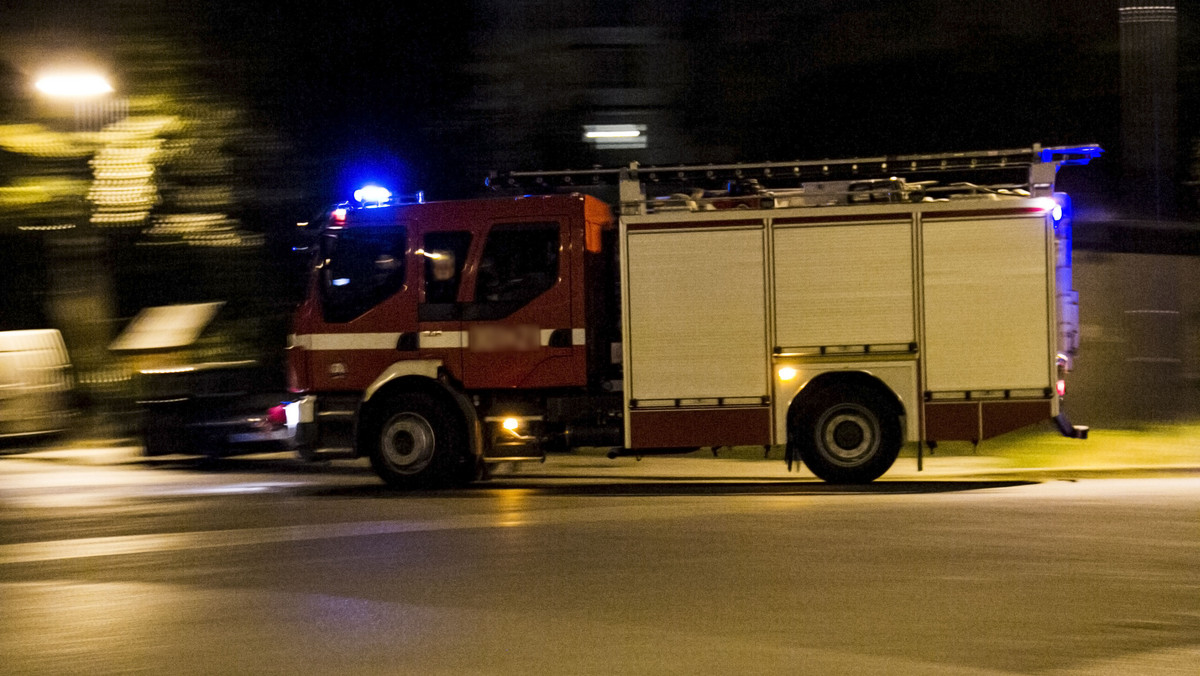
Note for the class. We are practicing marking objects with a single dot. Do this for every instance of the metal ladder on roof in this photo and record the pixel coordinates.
(1039, 164)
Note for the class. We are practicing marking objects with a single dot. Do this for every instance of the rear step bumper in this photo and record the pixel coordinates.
(1069, 430)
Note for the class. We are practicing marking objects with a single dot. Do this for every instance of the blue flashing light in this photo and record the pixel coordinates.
(1077, 155)
(372, 194)
(1065, 210)
(341, 281)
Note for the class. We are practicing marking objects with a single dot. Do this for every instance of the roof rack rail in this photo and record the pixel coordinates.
(1039, 163)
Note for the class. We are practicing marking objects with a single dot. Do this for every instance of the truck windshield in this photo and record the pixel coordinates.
(360, 267)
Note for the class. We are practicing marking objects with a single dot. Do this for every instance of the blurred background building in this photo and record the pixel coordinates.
(718, 81)
(1149, 141)
(230, 121)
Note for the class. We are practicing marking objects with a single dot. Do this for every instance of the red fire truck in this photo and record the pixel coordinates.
(837, 308)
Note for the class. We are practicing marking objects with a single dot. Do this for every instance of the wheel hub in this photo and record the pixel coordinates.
(407, 443)
(848, 435)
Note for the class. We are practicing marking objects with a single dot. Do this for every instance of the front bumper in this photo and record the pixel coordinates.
(258, 428)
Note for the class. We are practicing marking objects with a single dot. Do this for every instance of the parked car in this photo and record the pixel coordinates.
(37, 387)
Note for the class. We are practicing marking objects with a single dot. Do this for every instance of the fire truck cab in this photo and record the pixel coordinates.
(436, 333)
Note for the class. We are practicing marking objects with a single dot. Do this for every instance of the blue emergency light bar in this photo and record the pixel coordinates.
(1070, 155)
(372, 194)
(375, 196)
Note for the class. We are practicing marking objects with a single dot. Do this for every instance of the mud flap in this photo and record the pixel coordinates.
(1069, 430)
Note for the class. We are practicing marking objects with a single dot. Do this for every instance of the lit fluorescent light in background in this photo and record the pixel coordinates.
(615, 136)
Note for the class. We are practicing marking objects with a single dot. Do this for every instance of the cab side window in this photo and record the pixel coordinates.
(519, 263)
(360, 267)
(444, 254)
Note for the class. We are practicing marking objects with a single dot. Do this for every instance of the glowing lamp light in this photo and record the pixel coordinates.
(1061, 387)
(340, 281)
(787, 373)
(372, 194)
(339, 215)
(1052, 206)
(73, 86)
(511, 424)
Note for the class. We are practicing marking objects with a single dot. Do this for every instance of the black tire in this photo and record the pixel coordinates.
(846, 436)
(416, 440)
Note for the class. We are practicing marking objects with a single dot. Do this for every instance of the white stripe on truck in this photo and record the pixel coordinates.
(387, 341)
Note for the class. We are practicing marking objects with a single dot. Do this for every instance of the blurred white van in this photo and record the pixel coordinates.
(36, 384)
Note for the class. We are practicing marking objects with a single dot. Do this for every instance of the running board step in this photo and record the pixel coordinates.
(516, 458)
(516, 450)
(323, 454)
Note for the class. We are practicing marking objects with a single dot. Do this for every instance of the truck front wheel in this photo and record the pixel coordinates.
(413, 441)
(847, 437)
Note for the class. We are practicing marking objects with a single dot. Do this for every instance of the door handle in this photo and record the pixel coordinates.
(408, 342)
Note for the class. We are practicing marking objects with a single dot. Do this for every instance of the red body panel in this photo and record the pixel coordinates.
(978, 420)
(681, 427)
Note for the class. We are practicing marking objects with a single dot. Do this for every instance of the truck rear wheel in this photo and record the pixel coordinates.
(847, 437)
(414, 441)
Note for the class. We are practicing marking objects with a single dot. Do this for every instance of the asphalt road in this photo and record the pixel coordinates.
(258, 566)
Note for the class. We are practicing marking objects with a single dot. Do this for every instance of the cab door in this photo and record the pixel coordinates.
(358, 307)
(440, 259)
(518, 318)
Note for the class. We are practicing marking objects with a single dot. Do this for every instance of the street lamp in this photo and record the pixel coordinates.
(74, 86)
(94, 108)
(81, 294)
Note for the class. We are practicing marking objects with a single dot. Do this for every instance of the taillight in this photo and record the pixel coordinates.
(1061, 387)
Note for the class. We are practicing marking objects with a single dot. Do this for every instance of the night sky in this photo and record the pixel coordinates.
(389, 90)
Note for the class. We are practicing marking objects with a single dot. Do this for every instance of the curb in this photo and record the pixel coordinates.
(567, 466)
